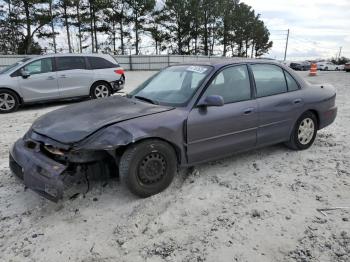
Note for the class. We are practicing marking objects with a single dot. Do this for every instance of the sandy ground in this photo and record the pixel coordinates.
(257, 206)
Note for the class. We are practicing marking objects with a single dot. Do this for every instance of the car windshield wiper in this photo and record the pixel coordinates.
(147, 100)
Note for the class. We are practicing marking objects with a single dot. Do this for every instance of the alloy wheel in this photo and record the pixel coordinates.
(101, 91)
(7, 102)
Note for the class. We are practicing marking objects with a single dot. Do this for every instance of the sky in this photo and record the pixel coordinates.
(318, 28)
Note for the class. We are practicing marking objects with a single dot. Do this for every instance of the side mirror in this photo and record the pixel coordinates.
(24, 73)
(212, 100)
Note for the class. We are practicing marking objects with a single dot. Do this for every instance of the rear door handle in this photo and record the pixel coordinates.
(63, 76)
(50, 78)
(297, 101)
(248, 111)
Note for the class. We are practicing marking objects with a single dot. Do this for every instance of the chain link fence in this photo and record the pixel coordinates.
(134, 62)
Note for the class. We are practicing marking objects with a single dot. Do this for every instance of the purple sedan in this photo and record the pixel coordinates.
(184, 115)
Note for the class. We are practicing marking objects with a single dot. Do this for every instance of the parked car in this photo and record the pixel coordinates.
(341, 67)
(295, 66)
(305, 66)
(56, 77)
(327, 66)
(184, 115)
(300, 66)
(347, 67)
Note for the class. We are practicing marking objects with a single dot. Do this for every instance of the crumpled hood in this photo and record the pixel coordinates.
(73, 123)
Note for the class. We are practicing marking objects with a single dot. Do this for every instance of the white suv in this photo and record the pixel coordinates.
(327, 66)
(55, 77)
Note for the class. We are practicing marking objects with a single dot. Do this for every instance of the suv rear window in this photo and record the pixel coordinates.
(70, 63)
(100, 63)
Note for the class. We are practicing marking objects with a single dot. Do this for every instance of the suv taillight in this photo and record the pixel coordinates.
(119, 71)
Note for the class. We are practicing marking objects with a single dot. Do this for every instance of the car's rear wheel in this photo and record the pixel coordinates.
(148, 167)
(304, 132)
(100, 90)
(9, 101)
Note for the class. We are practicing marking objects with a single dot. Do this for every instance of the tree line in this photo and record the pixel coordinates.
(186, 27)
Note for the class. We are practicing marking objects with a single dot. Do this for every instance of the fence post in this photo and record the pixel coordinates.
(168, 60)
(130, 62)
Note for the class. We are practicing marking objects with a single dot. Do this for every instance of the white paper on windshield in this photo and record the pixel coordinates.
(197, 69)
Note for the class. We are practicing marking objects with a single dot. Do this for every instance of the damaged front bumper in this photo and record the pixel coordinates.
(39, 172)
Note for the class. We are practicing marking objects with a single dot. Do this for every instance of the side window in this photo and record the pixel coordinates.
(292, 84)
(39, 66)
(232, 84)
(269, 80)
(100, 63)
(70, 63)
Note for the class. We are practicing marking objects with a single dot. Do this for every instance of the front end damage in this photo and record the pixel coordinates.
(44, 164)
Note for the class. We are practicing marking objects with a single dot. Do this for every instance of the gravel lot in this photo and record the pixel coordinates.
(256, 206)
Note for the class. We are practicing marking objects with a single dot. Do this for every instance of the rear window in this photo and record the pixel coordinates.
(292, 84)
(101, 63)
(70, 63)
(269, 80)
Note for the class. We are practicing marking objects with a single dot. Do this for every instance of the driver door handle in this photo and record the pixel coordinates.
(63, 76)
(248, 111)
(297, 101)
(50, 78)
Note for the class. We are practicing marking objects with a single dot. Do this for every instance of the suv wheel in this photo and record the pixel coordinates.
(100, 90)
(9, 101)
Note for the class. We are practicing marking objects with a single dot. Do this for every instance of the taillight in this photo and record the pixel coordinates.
(119, 71)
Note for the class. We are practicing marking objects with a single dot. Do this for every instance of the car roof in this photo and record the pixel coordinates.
(229, 61)
(74, 54)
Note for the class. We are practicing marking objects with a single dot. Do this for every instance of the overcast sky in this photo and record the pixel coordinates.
(317, 27)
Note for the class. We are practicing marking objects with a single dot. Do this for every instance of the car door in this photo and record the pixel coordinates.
(74, 79)
(277, 107)
(214, 132)
(40, 82)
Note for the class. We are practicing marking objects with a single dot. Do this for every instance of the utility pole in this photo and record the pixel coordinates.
(285, 51)
(339, 53)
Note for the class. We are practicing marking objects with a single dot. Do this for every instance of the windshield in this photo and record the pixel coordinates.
(8, 68)
(173, 86)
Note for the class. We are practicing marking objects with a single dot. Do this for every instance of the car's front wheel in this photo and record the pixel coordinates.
(100, 90)
(9, 101)
(304, 132)
(148, 167)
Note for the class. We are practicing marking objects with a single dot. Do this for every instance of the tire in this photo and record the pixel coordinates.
(148, 167)
(100, 90)
(301, 140)
(9, 101)
(326, 69)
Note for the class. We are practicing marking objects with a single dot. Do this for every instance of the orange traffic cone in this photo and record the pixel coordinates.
(313, 70)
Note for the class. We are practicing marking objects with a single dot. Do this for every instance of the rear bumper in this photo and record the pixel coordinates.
(117, 85)
(328, 117)
(38, 172)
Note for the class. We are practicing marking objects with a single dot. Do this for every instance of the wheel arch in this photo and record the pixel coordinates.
(316, 113)
(120, 150)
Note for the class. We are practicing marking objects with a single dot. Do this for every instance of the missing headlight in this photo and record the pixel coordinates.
(54, 150)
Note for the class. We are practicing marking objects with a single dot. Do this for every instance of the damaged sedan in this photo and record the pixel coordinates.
(184, 115)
